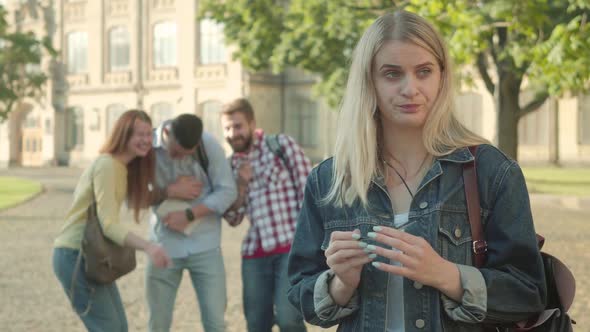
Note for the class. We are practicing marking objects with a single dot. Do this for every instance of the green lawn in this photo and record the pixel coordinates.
(16, 190)
(561, 181)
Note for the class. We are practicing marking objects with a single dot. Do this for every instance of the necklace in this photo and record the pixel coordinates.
(402, 178)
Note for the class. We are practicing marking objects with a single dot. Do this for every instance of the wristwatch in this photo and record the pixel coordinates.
(190, 216)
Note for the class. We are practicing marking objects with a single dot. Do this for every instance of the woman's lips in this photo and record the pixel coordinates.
(409, 107)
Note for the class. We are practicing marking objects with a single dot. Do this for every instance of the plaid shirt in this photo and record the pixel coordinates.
(274, 195)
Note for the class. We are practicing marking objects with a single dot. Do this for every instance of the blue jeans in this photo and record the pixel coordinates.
(98, 306)
(265, 295)
(208, 277)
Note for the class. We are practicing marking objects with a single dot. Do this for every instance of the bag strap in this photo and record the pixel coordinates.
(272, 141)
(564, 278)
(201, 156)
(79, 259)
(479, 244)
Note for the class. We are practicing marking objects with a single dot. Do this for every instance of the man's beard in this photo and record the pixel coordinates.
(240, 143)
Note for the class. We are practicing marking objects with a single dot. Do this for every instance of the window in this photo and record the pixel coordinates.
(31, 122)
(118, 49)
(303, 121)
(114, 111)
(584, 120)
(211, 119)
(77, 52)
(165, 44)
(212, 49)
(75, 127)
(161, 112)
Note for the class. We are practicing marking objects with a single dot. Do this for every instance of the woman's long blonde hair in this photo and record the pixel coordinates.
(356, 153)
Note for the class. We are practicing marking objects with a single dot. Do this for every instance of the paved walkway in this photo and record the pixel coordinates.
(31, 299)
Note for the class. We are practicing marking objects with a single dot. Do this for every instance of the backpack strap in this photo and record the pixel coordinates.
(479, 244)
(272, 141)
(201, 156)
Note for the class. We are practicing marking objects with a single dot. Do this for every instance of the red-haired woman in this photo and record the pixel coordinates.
(123, 171)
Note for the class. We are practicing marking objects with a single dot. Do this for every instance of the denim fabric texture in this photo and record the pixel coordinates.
(207, 274)
(99, 306)
(265, 286)
(513, 274)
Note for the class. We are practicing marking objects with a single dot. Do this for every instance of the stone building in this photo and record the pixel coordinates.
(155, 55)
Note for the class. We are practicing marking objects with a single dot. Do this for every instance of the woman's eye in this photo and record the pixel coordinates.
(424, 72)
(392, 74)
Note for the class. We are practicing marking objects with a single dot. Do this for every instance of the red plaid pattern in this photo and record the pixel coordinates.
(275, 193)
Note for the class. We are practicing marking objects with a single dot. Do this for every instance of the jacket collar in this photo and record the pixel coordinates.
(460, 155)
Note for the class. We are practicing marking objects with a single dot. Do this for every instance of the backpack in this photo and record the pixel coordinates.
(271, 141)
(561, 284)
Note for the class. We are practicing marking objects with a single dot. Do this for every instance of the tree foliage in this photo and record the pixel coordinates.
(543, 42)
(20, 59)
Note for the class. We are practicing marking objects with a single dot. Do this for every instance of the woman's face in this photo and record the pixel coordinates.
(407, 79)
(140, 142)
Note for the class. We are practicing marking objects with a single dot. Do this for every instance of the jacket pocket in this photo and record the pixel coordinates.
(454, 237)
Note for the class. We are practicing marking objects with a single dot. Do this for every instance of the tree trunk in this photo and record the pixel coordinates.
(507, 107)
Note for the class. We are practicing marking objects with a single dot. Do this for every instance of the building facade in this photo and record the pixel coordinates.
(155, 55)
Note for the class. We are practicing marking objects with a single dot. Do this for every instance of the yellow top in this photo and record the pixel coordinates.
(110, 190)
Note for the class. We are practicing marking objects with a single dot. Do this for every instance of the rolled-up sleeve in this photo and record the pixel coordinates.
(224, 191)
(324, 304)
(473, 305)
(307, 269)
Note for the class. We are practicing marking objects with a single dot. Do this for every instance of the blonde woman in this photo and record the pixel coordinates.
(383, 240)
(122, 172)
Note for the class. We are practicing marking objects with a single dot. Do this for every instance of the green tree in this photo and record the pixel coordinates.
(545, 43)
(20, 58)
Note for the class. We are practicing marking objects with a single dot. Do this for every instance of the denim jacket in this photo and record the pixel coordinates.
(509, 288)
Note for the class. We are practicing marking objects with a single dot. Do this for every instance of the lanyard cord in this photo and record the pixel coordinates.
(400, 176)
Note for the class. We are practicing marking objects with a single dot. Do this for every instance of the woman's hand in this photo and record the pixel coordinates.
(346, 256)
(419, 261)
(158, 256)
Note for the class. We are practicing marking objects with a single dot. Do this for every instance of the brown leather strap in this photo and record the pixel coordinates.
(479, 245)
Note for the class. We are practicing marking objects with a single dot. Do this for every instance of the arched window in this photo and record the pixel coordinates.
(77, 52)
(75, 127)
(118, 49)
(114, 111)
(211, 119)
(161, 112)
(212, 48)
(164, 47)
